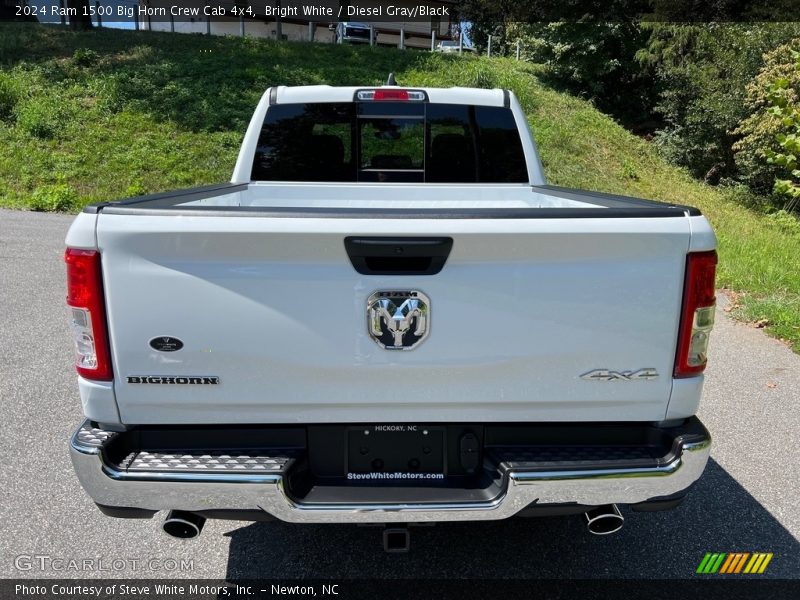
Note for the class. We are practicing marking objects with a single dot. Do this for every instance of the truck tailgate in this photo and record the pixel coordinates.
(275, 310)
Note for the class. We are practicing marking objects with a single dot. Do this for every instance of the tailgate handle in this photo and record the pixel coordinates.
(398, 256)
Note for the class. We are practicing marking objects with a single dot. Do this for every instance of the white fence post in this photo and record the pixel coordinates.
(489, 47)
(517, 49)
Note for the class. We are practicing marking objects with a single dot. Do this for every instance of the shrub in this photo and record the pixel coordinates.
(40, 117)
(759, 130)
(9, 96)
(786, 221)
(135, 189)
(789, 141)
(83, 57)
(53, 198)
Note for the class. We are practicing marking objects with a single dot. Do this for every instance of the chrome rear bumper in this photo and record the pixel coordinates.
(191, 491)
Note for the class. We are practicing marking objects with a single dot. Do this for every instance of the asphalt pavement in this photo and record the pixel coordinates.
(747, 500)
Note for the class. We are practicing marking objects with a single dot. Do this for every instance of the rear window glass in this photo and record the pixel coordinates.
(360, 32)
(389, 142)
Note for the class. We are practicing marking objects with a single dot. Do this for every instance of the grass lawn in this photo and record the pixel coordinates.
(107, 114)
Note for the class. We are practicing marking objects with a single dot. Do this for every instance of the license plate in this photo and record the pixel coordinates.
(395, 451)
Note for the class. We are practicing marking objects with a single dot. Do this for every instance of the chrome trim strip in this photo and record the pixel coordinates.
(207, 491)
(190, 477)
(662, 470)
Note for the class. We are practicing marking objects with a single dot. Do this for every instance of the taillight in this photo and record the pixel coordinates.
(87, 314)
(697, 316)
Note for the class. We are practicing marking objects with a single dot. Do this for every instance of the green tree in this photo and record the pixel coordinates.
(783, 106)
(486, 18)
(593, 60)
(702, 72)
(82, 21)
(758, 132)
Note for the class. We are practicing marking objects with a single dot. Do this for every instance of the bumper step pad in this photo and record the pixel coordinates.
(549, 458)
(93, 437)
(249, 461)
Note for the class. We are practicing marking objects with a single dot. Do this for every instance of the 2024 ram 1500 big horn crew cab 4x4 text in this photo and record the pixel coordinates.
(388, 316)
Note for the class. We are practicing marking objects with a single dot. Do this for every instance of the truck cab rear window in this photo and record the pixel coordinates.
(389, 142)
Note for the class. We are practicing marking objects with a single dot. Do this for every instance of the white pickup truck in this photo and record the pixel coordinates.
(388, 316)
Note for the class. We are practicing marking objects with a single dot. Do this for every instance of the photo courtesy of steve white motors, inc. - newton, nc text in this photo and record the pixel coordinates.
(399, 299)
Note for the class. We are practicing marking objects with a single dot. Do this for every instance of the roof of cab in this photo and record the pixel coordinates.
(327, 93)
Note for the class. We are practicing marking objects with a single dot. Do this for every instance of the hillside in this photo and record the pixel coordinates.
(107, 114)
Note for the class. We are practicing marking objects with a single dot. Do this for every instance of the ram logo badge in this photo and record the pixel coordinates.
(398, 320)
(609, 375)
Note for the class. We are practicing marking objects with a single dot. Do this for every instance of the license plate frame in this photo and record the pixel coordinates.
(396, 450)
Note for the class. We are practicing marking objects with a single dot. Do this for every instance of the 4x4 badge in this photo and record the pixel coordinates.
(609, 375)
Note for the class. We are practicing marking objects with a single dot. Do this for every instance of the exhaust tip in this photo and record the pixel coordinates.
(183, 525)
(604, 520)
